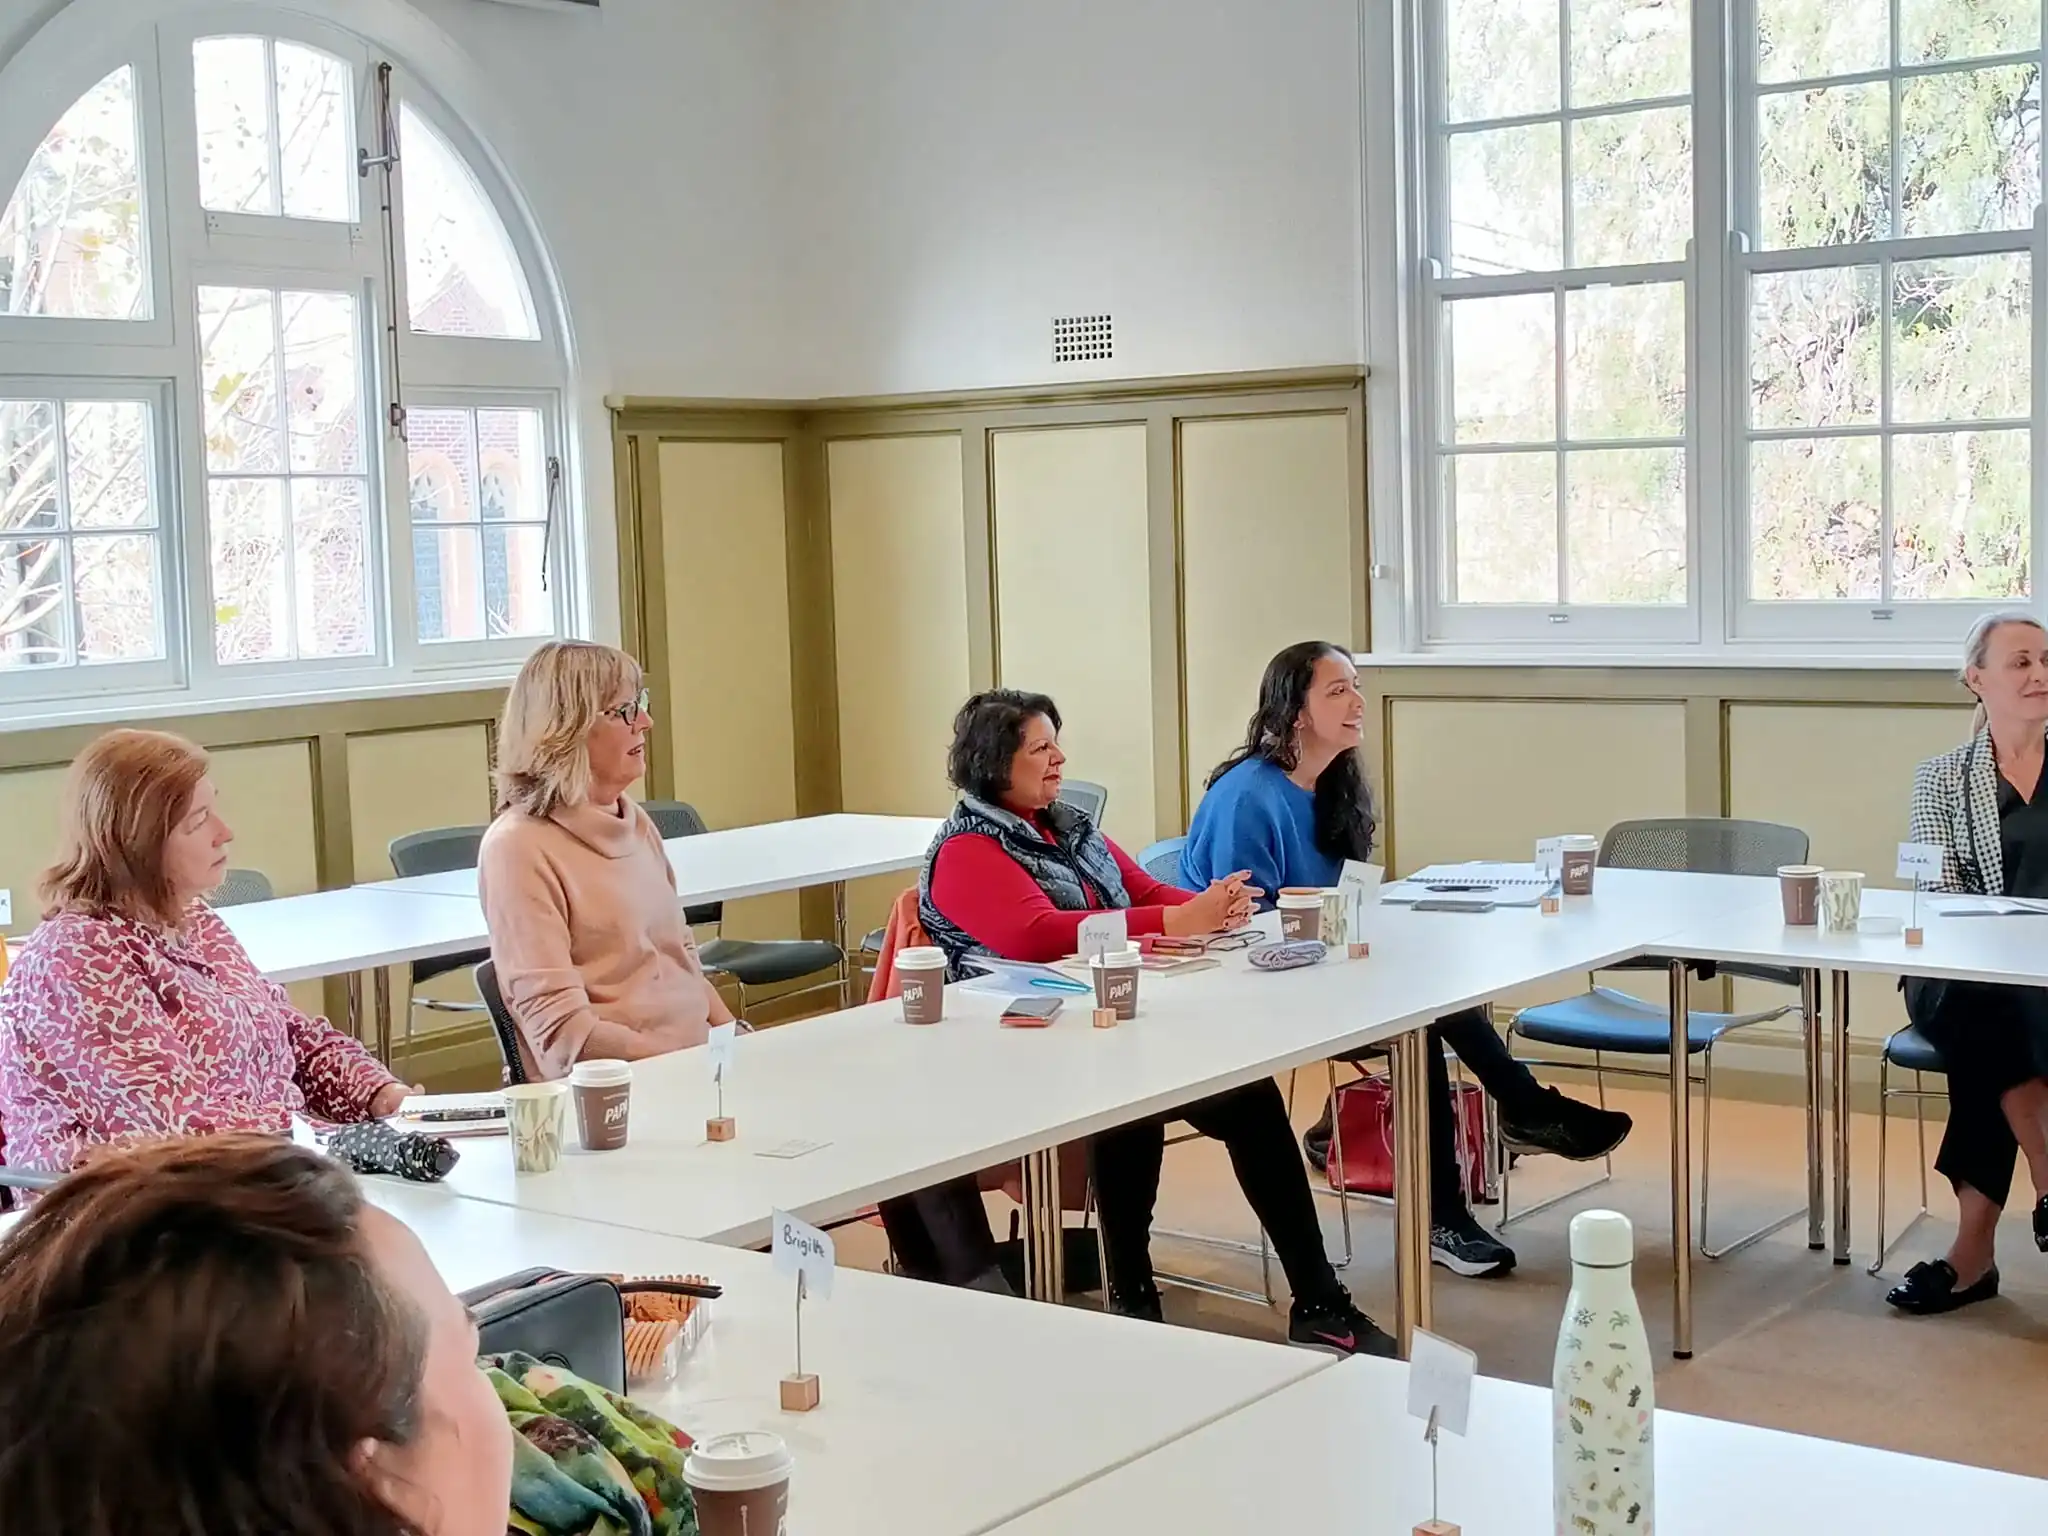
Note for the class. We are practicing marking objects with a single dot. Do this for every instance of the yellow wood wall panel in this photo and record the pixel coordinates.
(1268, 552)
(409, 781)
(899, 599)
(1845, 774)
(266, 794)
(1073, 605)
(725, 709)
(1483, 779)
(29, 798)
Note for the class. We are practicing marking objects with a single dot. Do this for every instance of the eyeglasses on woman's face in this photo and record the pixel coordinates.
(630, 711)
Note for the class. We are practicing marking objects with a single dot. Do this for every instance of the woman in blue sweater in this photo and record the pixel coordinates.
(1291, 805)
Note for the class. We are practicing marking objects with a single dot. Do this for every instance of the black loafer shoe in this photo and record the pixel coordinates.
(1931, 1287)
(2041, 1224)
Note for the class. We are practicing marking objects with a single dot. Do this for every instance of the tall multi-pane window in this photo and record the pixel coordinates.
(1757, 373)
(227, 349)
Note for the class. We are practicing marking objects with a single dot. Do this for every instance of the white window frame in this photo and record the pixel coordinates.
(1406, 243)
(189, 248)
(106, 679)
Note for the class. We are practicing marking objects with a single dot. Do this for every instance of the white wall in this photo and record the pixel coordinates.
(968, 168)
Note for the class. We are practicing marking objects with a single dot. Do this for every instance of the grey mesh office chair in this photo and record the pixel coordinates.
(1607, 1022)
(240, 887)
(1908, 1051)
(503, 1025)
(749, 962)
(1162, 860)
(435, 852)
(1089, 799)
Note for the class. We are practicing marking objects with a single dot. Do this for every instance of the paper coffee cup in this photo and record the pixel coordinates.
(921, 982)
(1116, 981)
(1578, 855)
(1301, 912)
(1799, 893)
(740, 1483)
(603, 1091)
(536, 1115)
(1841, 900)
(1335, 926)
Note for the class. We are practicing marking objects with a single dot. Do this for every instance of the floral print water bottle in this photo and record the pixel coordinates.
(1603, 1400)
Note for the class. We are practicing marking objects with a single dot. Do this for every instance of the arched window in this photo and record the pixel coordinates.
(292, 418)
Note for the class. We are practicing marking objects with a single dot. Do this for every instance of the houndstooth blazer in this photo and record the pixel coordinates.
(1955, 804)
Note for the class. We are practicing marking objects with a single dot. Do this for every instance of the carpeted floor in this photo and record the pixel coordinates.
(1782, 1337)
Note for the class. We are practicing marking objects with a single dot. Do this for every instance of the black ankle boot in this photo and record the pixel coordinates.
(1315, 1141)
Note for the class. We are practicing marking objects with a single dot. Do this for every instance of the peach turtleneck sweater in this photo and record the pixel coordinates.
(593, 956)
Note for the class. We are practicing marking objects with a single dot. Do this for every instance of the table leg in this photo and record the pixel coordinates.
(1045, 1257)
(1816, 1163)
(355, 1004)
(1409, 1069)
(380, 981)
(839, 937)
(1681, 1163)
(1839, 985)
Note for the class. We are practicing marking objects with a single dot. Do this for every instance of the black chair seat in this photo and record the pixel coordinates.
(1606, 1020)
(1913, 1051)
(427, 970)
(764, 962)
(872, 943)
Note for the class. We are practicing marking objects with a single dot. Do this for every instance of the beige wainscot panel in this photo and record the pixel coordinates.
(410, 781)
(899, 600)
(1268, 554)
(725, 707)
(266, 795)
(29, 798)
(1073, 610)
(1844, 773)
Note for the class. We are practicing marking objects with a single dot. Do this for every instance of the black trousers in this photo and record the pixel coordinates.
(1992, 1038)
(1252, 1124)
(941, 1234)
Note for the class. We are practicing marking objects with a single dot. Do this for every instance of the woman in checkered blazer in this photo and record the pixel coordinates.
(1986, 804)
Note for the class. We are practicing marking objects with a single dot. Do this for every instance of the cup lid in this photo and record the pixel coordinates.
(1130, 954)
(1578, 841)
(1799, 870)
(920, 957)
(737, 1463)
(602, 1072)
(1603, 1239)
(1309, 897)
(537, 1090)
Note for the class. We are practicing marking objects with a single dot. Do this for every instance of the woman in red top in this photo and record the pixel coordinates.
(1012, 874)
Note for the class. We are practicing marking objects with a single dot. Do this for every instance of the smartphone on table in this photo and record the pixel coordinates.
(1030, 1012)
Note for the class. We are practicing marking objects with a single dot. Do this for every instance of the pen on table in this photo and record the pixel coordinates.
(1059, 984)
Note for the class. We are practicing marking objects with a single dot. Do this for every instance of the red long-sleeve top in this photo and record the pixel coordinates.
(988, 893)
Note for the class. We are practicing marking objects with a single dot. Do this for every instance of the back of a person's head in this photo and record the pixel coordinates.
(194, 1342)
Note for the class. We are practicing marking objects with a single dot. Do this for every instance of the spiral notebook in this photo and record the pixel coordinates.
(411, 1115)
(1505, 885)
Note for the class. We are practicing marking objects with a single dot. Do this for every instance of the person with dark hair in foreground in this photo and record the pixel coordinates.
(1291, 805)
(220, 1338)
(1013, 873)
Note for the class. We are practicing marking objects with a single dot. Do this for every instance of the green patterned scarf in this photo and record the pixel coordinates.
(587, 1463)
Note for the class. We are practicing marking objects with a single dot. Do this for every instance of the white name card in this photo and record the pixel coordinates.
(719, 1044)
(1440, 1376)
(1362, 879)
(1920, 861)
(801, 1249)
(1549, 855)
(1103, 933)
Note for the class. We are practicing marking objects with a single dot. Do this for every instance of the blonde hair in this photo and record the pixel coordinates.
(125, 794)
(544, 736)
(1977, 648)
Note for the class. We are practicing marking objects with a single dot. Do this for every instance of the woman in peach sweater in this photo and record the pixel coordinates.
(592, 952)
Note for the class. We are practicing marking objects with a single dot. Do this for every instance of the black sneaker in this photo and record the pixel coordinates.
(1144, 1305)
(1315, 1142)
(1564, 1127)
(1466, 1248)
(2041, 1224)
(1338, 1326)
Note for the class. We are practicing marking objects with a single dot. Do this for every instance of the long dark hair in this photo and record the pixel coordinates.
(196, 1340)
(1344, 813)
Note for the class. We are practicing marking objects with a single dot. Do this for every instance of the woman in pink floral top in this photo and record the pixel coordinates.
(133, 1013)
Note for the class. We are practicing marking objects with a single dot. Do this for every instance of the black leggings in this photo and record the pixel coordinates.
(1992, 1038)
(1252, 1124)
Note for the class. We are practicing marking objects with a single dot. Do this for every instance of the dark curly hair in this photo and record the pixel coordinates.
(196, 1342)
(986, 734)
(1345, 823)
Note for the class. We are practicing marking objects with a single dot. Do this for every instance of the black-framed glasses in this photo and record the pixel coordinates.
(632, 709)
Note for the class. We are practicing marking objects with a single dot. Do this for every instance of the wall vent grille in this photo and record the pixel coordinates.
(1082, 339)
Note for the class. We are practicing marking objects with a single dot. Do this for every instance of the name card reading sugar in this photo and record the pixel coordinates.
(1920, 862)
(801, 1249)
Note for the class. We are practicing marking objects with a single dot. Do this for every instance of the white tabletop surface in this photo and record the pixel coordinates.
(900, 1107)
(2004, 949)
(1337, 1452)
(943, 1412)
(326, 933)
(760, 860)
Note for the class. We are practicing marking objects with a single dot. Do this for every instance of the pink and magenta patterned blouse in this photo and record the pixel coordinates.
(114, 1030)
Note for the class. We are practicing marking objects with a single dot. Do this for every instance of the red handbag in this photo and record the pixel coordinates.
(1365, 1116)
